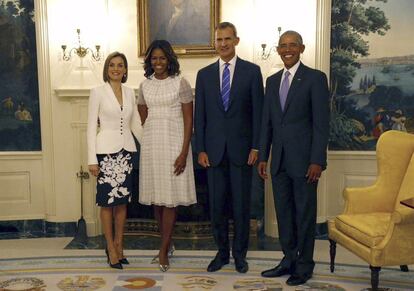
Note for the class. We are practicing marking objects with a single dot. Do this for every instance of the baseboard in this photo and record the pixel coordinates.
(35, 228)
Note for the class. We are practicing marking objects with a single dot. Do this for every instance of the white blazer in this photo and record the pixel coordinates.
(115, 124)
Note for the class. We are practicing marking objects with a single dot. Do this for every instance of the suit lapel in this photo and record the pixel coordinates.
(294, 86)
(112, 96)
(216, 83)
(276, 91)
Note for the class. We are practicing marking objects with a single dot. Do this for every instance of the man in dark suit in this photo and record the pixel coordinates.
(228, 107)
(296, 124)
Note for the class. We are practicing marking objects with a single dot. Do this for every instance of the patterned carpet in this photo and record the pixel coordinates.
(187, 273)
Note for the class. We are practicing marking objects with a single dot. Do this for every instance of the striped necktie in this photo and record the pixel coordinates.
(284, 89)
(225, 86)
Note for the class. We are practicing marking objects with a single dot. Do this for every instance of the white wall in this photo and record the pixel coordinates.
(44, 184)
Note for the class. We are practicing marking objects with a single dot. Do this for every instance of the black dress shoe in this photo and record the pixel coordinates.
(217, 264)
(241, 265)
(296, 280)
(276, 272)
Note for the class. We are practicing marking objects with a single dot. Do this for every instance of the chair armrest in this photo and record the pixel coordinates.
(357, 199)
(374, 198)
(403, 216)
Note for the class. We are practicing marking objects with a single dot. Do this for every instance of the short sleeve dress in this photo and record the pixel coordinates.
(163, 137)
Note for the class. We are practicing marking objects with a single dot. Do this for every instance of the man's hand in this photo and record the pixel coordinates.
(262, 168)
(203, 160)
(94, 170)
(252, 157)
(314, 173)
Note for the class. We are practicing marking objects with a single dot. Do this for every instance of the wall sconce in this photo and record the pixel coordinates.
(81, 51)
(266, 54)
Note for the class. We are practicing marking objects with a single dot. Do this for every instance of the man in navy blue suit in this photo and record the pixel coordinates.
(228, 109)
(296, 124)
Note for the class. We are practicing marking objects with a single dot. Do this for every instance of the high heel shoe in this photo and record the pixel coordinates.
(108, 260)
(164, 268)
(171, 250)
(124, 261)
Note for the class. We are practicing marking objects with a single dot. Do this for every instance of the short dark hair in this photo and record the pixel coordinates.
(165, 46)
(225, 24)
(292, 32)
(106, 66)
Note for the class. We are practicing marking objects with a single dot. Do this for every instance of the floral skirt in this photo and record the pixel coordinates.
(114, 183)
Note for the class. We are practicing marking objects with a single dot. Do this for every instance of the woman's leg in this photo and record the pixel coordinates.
(106, 218)
(158, 216)
(169, 215)
(120, 213)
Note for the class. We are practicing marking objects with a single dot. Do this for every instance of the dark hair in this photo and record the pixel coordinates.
(165, 46)
(106, 66)
(294, 33)
(225, 24)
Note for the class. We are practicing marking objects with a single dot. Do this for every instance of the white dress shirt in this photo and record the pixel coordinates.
(232, 65)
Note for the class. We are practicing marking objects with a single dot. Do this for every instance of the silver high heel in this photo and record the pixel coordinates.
(164, 268)
(171, 250)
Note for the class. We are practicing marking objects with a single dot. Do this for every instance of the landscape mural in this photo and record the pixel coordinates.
(19, 91)
(372, 71)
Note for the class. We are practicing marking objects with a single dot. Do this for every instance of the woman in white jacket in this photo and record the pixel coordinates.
(112, 108)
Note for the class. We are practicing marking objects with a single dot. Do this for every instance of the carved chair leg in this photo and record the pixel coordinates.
(332, 253)
(404, 268)
(374, 277)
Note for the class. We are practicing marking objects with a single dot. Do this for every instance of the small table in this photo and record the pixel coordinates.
(408, 202)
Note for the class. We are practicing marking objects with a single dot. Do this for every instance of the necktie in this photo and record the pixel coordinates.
(284, 89)
(225, 86)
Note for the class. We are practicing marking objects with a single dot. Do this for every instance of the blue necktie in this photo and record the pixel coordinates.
(225, 87)
(284, 89)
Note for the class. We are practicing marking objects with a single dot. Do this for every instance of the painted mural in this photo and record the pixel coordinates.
(372, 71)
(19, 92)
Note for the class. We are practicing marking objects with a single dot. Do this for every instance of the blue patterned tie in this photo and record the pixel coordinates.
(225, 86)
(284, 89)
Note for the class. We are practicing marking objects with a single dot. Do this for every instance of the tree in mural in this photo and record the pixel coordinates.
(19, 93)
(351, 20)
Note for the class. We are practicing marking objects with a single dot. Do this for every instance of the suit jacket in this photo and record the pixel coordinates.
(238, 128)
(115, 124)
(301, 131)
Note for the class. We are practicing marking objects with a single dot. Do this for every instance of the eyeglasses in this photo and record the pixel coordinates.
(291, 45)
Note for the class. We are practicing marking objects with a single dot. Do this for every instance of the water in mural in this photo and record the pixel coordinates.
(19, 93)
(372, 71)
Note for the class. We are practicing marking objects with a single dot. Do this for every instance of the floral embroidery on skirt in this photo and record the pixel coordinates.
(114, 180)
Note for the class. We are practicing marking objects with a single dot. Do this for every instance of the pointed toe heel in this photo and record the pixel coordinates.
(164, 268)
(124, 261)
(114, 266)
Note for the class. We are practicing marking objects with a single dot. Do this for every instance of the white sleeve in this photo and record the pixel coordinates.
(93, 112)
(136, 127)
(140, 97)
(185, 93)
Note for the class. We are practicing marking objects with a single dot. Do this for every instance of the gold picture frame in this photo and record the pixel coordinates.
(189, 29)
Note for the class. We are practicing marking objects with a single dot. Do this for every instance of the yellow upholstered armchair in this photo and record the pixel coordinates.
(374, 225)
